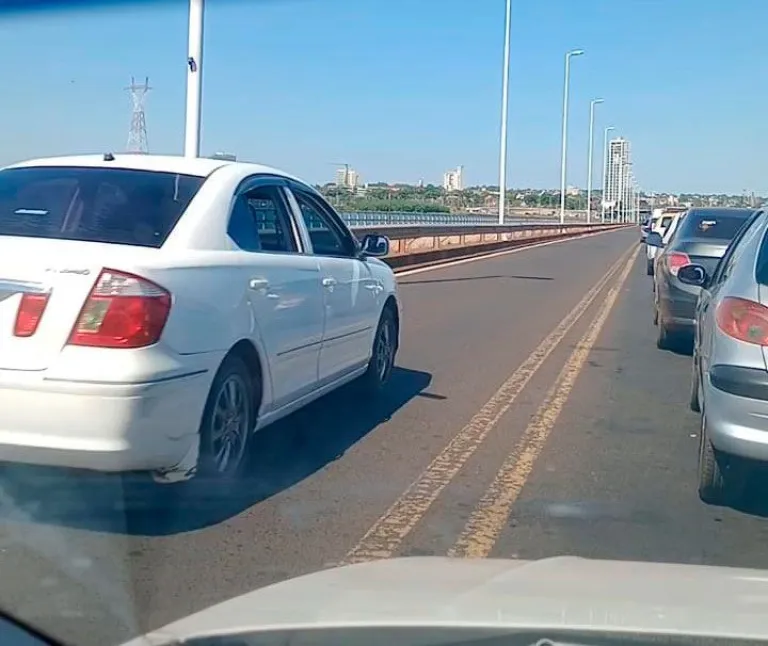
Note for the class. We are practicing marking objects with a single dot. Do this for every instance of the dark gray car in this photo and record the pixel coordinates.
(701, 239)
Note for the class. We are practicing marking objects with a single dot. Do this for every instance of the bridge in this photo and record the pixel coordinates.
(530, 415)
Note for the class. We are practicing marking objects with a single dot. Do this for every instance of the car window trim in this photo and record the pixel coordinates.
(761, 259)
(337, 224)
(278, 183)
(720, 275)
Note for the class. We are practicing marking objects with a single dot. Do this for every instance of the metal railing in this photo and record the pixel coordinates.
(420, 244)
(487, 231)
(359, 219)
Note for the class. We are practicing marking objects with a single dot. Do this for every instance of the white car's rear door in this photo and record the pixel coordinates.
(282, 286)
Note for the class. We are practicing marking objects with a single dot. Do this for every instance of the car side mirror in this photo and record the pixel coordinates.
(694, 275)
(654, 239)
(375, 245)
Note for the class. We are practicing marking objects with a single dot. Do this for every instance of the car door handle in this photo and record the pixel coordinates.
(258, 283)
(329, 282)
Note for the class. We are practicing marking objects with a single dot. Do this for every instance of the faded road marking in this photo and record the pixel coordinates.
(491, 514)
(388, 532)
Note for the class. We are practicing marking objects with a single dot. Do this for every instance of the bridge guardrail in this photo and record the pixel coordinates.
(355, 219)
(425, 244)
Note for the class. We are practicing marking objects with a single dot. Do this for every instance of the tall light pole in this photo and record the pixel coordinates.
(592, 105)
(638, 193)
(620, 192)
(504, 114)
(625, 190)
(194, 78)
(564, 154)
(605, 172)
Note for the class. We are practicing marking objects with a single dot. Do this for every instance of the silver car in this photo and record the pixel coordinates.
(730, 370)
(701, 238)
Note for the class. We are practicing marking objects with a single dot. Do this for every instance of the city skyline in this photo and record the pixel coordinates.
(407, 127)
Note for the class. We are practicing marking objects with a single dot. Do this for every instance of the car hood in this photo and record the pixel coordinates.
(563, 593)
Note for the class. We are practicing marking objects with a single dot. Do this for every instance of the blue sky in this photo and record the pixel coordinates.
(405, 89)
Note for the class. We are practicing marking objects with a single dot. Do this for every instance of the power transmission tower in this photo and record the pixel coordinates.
(137, 135)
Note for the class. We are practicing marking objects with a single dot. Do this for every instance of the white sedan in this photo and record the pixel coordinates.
(155, 311)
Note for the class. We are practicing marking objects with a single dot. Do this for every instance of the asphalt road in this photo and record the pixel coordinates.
(530, 415)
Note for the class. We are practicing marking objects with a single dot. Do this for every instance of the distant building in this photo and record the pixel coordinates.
(453, 180)
(347, 177)
(617, 172)
(224, 156)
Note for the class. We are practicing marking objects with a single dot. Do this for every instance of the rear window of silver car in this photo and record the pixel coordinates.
(94, 204)
(715, 227)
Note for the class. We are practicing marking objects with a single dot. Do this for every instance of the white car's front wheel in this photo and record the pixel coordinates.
(383, 355)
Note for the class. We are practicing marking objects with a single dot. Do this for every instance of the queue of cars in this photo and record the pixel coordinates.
(156, 311)
(711, 292)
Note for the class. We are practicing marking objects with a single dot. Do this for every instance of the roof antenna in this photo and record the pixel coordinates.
(109, 157)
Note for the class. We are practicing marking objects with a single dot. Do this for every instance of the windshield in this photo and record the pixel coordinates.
(93, 204)
(341, 313)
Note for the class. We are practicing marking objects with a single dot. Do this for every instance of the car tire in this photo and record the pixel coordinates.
(383, 354)
(694, 403)
(649, 267)
(721, 478)
(231, 405)
(664, 336)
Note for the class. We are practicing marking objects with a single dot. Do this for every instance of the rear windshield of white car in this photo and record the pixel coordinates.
(666, 221)
(715, 226)
(113, 205)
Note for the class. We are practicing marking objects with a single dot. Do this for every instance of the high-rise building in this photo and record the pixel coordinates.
(453, 180)
(617, 172)
(347, 177)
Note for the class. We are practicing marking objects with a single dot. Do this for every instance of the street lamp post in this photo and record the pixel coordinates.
(592, 105)
(620, 193)
(625, 191)
(564, 153)
(194, 79)
(605, 172)
(504, 115)
(638, 193)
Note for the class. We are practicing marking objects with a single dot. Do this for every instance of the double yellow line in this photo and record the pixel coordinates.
(489, 517)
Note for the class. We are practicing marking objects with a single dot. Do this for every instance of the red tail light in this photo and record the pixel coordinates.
(676, 260)
(122, 311)
(28, 315)
(743, 320)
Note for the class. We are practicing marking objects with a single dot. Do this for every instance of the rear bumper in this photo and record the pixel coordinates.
(99, 426)
(736, 405)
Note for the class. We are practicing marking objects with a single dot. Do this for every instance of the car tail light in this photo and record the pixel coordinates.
(31, 310)
(743, 320)
(676, 260)
(122, 311)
